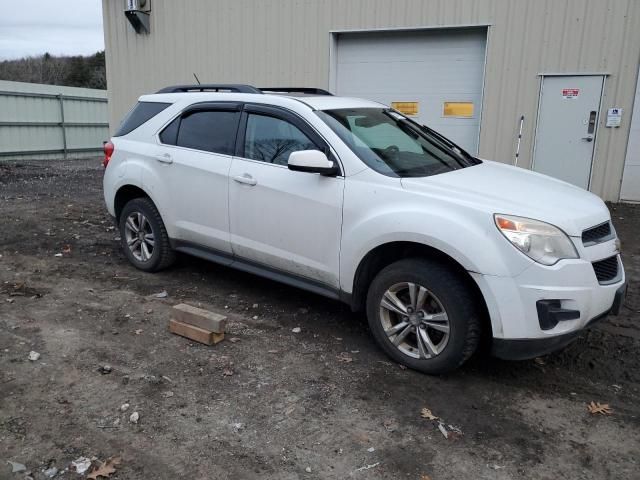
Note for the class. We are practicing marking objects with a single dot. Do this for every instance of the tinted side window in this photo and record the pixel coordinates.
(141, 113)
(272, 140)
(209, 131)
(169, 136)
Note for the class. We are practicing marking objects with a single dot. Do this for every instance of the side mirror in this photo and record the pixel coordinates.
(312, 161)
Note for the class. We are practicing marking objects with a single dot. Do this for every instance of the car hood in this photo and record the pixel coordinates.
(499, 188)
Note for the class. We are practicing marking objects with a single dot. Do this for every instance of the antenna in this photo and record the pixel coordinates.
(196, 77)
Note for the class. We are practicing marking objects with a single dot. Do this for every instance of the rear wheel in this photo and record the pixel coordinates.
(424, 315)
(144, 237)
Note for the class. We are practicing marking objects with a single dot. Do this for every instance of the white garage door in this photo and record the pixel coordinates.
(631, 177)
(439, 73)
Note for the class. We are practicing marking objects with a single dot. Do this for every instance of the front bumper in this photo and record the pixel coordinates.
(545, 307)
(523, 349)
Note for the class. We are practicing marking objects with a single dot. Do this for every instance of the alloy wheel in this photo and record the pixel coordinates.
(414, 320)
(139, 236)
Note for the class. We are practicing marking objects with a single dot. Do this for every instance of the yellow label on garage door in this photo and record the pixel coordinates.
(458, 109)
(408, 108)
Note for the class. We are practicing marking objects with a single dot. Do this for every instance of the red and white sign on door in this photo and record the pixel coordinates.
(570, 92)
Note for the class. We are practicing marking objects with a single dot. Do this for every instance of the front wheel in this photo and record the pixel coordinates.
(144, 237)
(424, 315)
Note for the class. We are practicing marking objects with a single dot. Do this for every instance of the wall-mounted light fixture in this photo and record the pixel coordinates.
(137, 12)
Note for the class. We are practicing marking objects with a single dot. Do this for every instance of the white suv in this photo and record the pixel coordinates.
(350, 199)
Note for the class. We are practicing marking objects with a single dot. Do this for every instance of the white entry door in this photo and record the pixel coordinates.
(567, 127)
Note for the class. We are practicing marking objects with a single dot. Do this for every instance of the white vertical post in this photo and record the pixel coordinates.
(515, 163)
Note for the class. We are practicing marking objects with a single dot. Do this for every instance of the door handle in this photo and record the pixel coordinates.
(591, 126)
(592, 122)
(164, 158)
(246, 179)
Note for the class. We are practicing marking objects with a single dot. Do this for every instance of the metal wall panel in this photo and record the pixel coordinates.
(31, 120)
(287, 42)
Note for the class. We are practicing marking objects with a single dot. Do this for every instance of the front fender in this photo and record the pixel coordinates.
(476, 245)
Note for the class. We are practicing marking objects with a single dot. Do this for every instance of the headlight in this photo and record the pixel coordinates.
(540, 241)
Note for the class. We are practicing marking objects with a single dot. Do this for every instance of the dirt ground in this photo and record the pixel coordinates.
(267, 402)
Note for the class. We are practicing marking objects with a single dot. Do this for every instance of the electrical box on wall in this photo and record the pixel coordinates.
(137, 12)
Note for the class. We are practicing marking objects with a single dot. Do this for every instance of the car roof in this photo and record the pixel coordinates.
(330, 102)
(315, 102)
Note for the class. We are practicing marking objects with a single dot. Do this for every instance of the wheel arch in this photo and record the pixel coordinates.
(125, 194)
(386, 254)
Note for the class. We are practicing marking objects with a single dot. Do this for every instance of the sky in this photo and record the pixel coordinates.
(33, 27)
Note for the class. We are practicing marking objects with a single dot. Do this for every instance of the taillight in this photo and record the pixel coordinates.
(108, 151)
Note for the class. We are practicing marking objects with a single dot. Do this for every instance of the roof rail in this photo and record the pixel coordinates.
(210, 87)
(240, 88)
(305, 90)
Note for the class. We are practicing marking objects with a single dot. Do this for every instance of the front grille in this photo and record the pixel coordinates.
(607, 269)
(598, 234)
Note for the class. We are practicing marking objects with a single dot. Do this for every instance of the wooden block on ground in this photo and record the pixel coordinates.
(195, 333)
(199, 317)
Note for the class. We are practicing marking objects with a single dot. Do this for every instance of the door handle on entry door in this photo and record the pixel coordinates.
(591, 126)
(246, 179)
(164, 158)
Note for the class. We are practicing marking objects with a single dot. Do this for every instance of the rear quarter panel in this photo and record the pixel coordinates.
(132, 164)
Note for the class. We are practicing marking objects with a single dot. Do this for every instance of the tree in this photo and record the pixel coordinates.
(76, 71)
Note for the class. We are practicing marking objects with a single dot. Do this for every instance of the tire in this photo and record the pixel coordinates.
(450, 316)
(154, 253)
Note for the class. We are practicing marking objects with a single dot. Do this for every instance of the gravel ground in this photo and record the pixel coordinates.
(267, 402)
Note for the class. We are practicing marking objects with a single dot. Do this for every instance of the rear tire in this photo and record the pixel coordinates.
(143, 236)
(424, 315)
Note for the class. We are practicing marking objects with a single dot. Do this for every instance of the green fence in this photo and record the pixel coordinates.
(49, 121)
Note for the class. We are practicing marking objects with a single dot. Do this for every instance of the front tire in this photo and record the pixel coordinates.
(143, 236)
(424, 315)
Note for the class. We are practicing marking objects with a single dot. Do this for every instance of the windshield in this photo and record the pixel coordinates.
(394, 145)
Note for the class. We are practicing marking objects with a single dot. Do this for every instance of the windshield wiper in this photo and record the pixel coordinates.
(408, 126)
(450, 144)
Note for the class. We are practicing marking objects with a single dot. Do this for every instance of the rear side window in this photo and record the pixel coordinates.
(169, 136)
(211, 131)
(141, 113)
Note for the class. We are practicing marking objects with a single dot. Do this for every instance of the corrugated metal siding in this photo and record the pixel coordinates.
(81, 106)
(287, 42)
